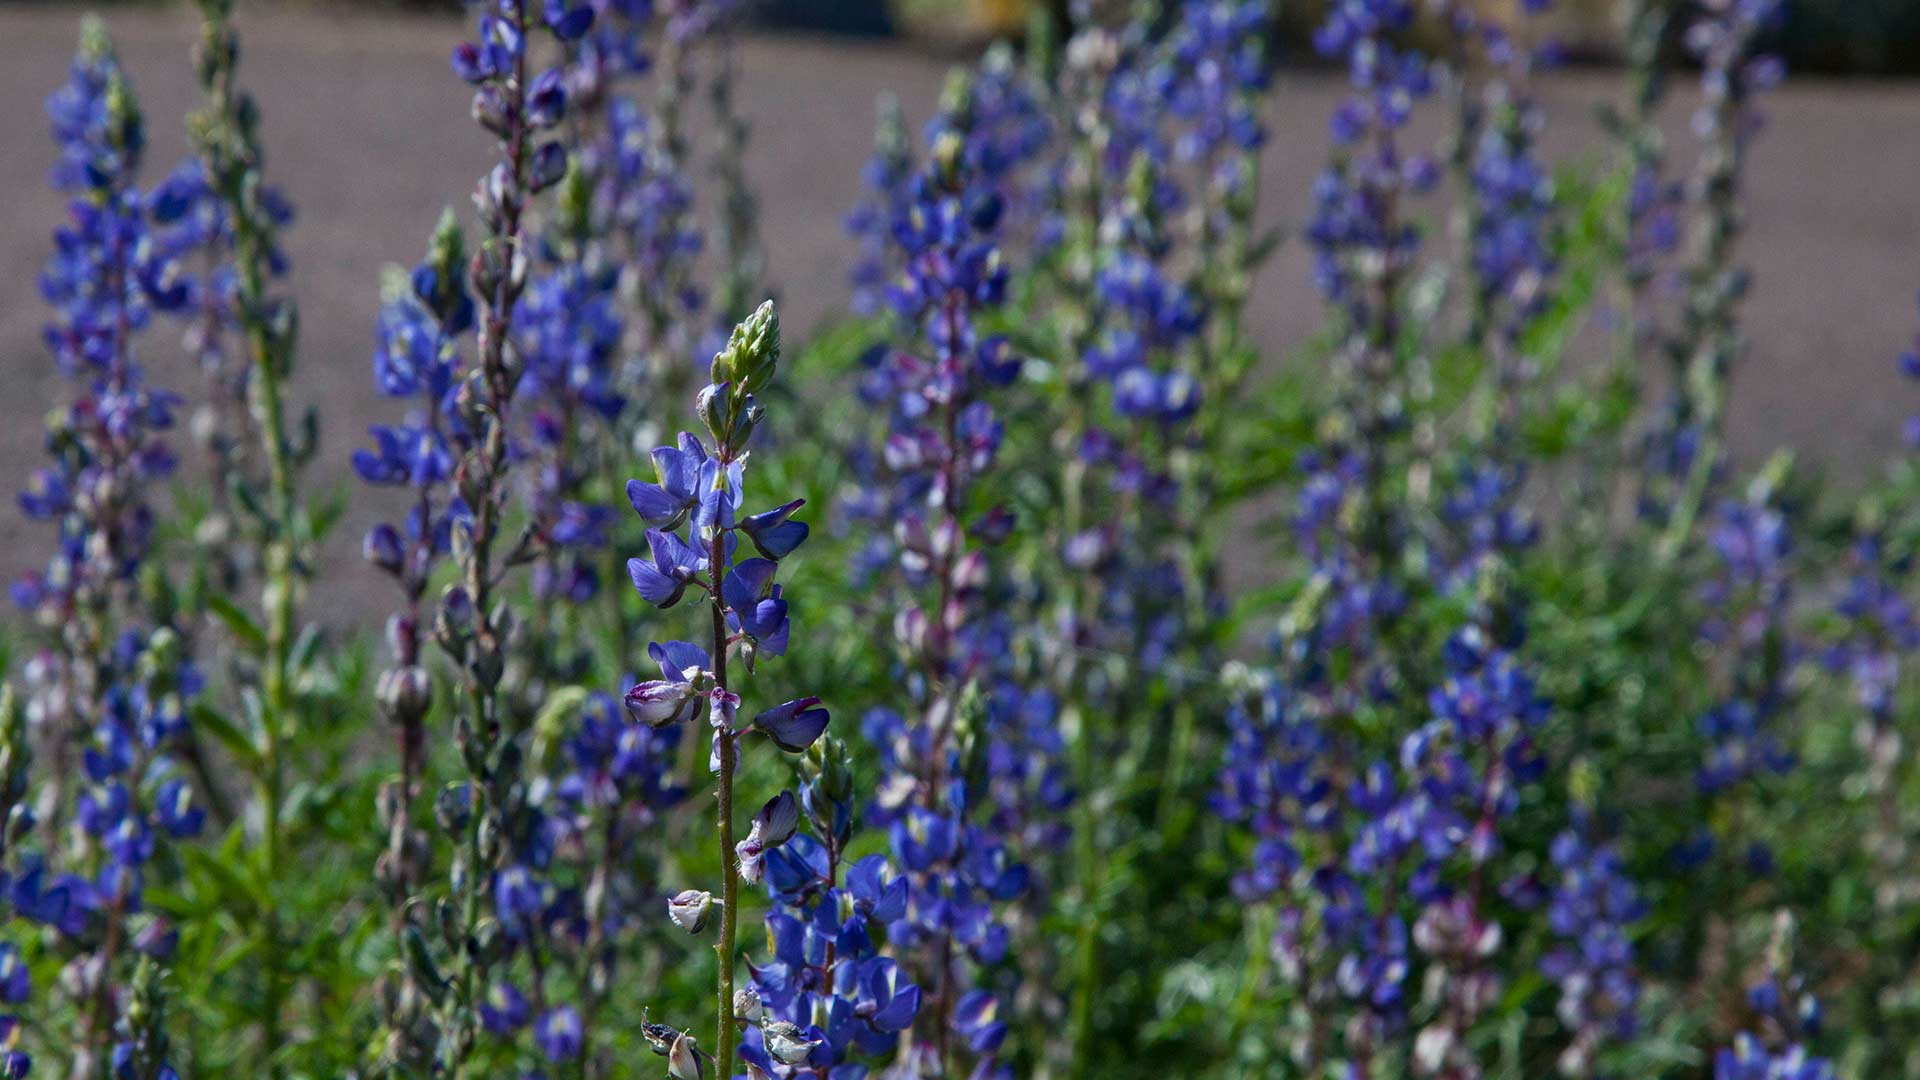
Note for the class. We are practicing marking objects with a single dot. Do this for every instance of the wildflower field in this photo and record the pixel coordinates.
(876, 701)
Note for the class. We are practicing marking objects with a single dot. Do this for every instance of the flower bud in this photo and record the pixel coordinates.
(404, 694)
(403, 638)
(659, 1036)
(684, 1061)
(715, 406)
(773, 826)
(486, 667)
(383, 548)
(787, 1042)
(658, 703)
(420, 962)
(453, 808)
(490, 840)
(490, 110)
(455, 619)
(691, 909)
(746, 1005)
(157, 938)
(549, 165)
(752, 352)
(20, 822)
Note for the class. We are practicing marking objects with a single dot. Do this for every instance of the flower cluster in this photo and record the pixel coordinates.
(1786, 1016)
(1593, 909)
(1511, 217)
(570, 331)
(1221, 70)
(651, 189)
(1749, 600)
(569, 897)
(885, 179)
(105, 280)
(416, 357)
(1364, 245)
(696, 529)
(826, 998)
(1387, 874)
(944, 438)
(133, 800)
(1270, 780)
(112, 687)
(1121, 481)
(218, 207)
(1363, 242)
(1705, 344)
(454, 456)
(1216, 71)
(198, 225)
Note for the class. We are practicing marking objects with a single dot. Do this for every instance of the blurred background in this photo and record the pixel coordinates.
(367, 131)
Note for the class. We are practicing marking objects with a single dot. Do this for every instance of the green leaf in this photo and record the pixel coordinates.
(208, 719)
(239, 623)
(234, 891)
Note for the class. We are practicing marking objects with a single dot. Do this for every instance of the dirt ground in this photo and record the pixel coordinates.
(367, 131)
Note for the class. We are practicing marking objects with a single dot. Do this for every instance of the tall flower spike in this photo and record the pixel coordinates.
(228, 144)
(1685, 443)
(944, 438)
(1365, 249)
(569, 329)
(456, 455)
(420, 321)
(696, 506)
(112, 684)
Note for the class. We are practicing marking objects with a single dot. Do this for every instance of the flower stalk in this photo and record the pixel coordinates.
(225, 135)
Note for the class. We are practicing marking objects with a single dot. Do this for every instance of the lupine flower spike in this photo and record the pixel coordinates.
(696, 528)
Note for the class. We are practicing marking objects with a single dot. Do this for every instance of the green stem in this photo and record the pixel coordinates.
(277, 597)
(1092, 874)
(725, 1035)
(1259, 929)
(236, 160)
(1173, 788)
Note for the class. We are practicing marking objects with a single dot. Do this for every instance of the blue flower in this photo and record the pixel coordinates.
(794, 725)
(675, 564)
(756, 604)
(679, 470)
(504, 1009)
(773, 532)
(558, 1033)
(569, 22)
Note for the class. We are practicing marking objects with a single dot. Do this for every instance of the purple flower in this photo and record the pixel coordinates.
(794, 725)
(558, 1034)
(756, 604)
(773, 826)
(679, 469)
(664, 580)
(774, 534)
(504, 1009)
(569, 22)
